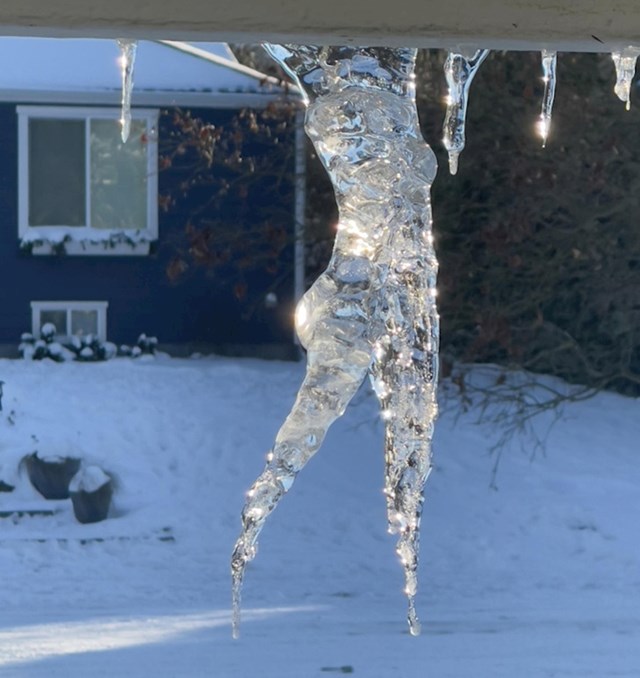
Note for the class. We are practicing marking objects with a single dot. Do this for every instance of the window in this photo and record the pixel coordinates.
(71, 318)
(80, 186)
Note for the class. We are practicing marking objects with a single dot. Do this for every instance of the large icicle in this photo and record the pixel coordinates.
(459, 71)
(373, 311)
(127, 60)
(625, 63)
(549, 62)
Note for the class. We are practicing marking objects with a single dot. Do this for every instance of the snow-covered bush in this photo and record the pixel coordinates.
(90, 348)
(45, 347)
(87, 348)
(144, 346)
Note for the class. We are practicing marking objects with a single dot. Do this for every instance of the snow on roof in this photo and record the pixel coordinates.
(80, 67)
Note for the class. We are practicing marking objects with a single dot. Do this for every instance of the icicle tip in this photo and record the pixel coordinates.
(543, 130)
(453, 162)
(415, 627)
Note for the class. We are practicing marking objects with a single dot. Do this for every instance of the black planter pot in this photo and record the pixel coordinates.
(51, 477)
(90, 502)
(5, 487)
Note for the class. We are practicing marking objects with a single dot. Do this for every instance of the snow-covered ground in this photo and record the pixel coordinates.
(540, 577)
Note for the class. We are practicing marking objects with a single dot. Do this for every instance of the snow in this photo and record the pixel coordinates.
(539, 577)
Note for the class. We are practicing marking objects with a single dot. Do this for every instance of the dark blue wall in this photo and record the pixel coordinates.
(200, 308)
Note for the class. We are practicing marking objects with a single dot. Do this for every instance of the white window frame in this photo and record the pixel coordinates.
(68, 306)
(85, 240)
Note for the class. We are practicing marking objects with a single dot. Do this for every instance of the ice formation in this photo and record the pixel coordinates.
(373, 311)
(459, 69)
(127, 60)
(549, 62)
(625, 63)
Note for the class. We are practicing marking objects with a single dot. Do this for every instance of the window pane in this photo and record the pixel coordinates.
(118, 176)
(84, 322)
(58, 318)
(56, 172)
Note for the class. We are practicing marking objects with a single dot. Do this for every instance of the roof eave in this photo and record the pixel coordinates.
(194, 99)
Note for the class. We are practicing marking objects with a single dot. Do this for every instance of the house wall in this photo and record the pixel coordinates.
(200, 310)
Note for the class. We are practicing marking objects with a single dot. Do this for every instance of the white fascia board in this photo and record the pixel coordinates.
(564, 25)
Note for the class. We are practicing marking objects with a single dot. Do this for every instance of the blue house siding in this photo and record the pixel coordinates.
(201, 309)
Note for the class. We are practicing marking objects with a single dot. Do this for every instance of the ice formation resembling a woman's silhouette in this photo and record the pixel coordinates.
(373, 311)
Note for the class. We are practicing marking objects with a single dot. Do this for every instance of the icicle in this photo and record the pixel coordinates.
(459, 71)
(625, 63)
(549, 62)
(127, 60)
(373, 311)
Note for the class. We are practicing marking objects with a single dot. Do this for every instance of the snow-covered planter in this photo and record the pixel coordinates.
(51, 475)
(91, 490)
(63, 241)
(5, 487)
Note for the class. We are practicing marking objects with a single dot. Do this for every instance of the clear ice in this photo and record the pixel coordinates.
(549, 62)
(459, 71)
(373, 311)
(127, 60)
(625, 63)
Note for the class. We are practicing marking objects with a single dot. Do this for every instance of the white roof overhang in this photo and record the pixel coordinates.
(566, 25)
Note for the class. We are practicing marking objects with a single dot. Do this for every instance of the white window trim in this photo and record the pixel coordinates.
(86, 240)
(100, 306)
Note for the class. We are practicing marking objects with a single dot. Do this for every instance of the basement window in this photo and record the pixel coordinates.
(71, 318)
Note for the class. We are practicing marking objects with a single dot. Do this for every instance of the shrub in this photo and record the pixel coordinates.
(84, 349)
(540, 248)
(144, 346)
